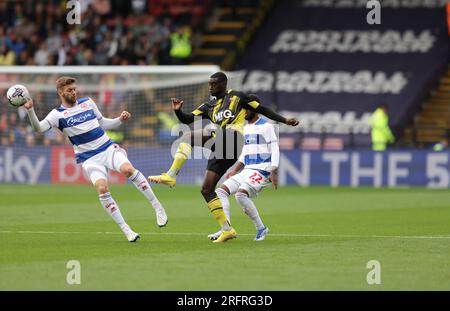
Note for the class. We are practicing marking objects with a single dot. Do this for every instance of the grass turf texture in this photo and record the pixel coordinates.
(320, 239)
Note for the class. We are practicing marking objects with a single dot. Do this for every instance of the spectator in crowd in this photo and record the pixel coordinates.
(7, 57)
(381, 133)
(441, 146)
(41, 56)
(181, 47)
(166, 122)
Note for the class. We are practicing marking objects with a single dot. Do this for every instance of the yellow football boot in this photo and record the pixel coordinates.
(164, 179)
(226, 235)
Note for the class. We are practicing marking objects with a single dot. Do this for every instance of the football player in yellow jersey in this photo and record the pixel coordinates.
(227, 112)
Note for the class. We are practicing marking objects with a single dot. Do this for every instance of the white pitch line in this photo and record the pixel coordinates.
(246, 234)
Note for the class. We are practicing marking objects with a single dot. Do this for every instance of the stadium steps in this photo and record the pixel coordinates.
(210, 52)
(229, 31)
(432, 124)
(227, 41)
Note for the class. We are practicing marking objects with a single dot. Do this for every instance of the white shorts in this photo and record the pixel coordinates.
(112, 158)
(250, 180)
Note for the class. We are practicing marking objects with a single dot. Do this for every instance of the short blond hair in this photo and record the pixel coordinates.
(63, 81)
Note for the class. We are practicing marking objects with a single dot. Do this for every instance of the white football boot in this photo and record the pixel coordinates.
(130, 234)
(161, 217)
(214, 236)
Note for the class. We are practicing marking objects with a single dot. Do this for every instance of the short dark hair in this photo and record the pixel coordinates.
(220, 76)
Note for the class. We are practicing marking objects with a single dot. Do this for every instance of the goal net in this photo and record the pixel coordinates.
(28, 157)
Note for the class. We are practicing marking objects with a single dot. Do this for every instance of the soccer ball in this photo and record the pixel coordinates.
(17, 95)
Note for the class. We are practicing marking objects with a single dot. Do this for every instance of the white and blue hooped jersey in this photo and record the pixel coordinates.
(257, 152)
(80, 124)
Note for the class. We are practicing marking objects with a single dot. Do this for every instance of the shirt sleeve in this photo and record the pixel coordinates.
(109, 124)
(201, 110)
(250, 101)
(44, 125)
(271, 136)
(97, 112)
(274, 146)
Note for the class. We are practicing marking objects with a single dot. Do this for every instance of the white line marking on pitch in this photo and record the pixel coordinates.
(246, 234)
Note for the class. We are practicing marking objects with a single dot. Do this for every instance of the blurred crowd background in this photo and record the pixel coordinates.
(112, 32)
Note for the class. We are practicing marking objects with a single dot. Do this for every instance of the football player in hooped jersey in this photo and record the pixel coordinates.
(84, 125)
(256, 168)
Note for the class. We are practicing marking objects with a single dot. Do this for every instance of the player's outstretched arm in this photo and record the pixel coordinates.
(110, 124)
(237, 168)
(38, 126)
(183, 117)
(275, 155)
(275, 162)
(267, 112)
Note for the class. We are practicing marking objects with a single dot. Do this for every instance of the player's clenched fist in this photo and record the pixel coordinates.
(28, 104)
(292, 122)
(176, 103)
(274, 178)
(124, 116)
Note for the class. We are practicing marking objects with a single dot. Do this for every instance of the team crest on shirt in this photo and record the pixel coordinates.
(65, 114)
(84, 106)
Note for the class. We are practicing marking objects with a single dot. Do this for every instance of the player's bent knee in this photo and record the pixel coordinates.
(127, 169)
(102, 187)
(222, 191)
(208, 193)
(225, 188)
(205, 191)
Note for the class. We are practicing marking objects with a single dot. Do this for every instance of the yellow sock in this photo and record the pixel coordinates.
(216, 209)
(183, 152)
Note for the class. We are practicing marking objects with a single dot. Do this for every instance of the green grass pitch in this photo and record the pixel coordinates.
(320, 239)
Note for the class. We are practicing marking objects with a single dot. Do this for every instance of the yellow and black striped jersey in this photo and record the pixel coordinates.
(229, 111)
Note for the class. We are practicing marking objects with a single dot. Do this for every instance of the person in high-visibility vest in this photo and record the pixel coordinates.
(116, 136)
(381, 133)
(167, 121)
(181, 47)
(441, 146)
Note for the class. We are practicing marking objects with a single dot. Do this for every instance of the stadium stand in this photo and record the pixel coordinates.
(241, 35)
(112, 32)
(229, 30)
(317, 60)
(432, 124)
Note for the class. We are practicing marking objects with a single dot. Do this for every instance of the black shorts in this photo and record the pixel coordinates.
(220, 166)
(225, 152)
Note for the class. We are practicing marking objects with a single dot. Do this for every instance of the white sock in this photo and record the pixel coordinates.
(142, 185)
(112, 209)
(250, 209)
(223, 196)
